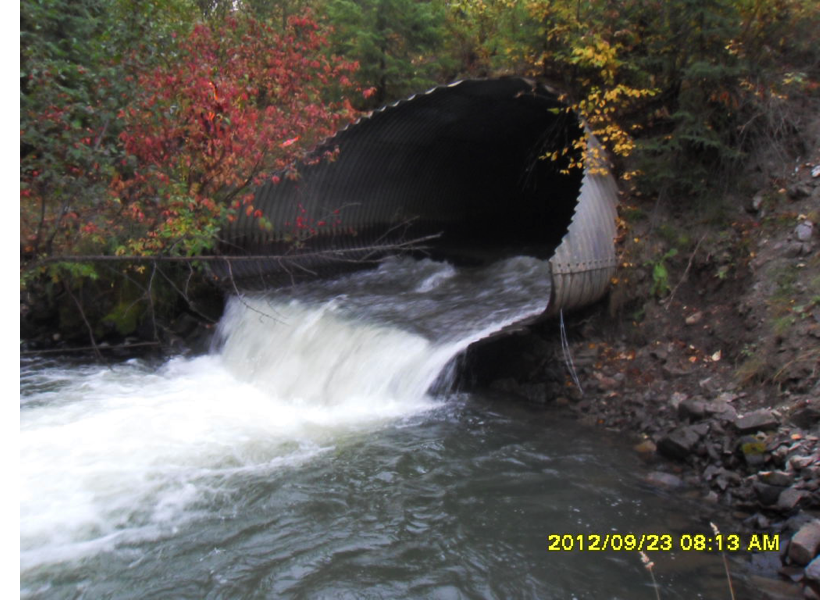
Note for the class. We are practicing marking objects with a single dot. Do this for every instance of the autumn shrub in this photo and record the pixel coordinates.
(241, 104)
(142, 147)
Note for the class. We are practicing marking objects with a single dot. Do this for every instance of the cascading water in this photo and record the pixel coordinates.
(117, 452)
(305, 457)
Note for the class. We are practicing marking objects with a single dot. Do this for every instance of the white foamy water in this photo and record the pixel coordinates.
(111, 455)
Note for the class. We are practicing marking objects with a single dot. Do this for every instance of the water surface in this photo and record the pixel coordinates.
(305, 458)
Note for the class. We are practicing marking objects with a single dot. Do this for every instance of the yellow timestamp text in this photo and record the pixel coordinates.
(664, 542)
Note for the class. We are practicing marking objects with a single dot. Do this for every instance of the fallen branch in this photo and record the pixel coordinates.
(280, 258)
(96, 349)
(685, 273)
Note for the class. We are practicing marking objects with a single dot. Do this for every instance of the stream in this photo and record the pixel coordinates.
(305, 457)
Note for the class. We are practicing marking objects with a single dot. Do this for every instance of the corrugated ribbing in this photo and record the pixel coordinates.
(457, 167)
(585, 261)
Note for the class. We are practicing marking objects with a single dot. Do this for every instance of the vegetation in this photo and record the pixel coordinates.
(146, 124)
(395, 43)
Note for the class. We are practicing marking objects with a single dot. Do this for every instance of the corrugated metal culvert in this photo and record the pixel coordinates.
(456, 174)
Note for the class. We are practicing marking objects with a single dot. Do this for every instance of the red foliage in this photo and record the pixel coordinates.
(241, 101)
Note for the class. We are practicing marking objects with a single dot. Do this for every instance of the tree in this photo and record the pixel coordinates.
(491, 36)
(395, 43)
(693, 84)
(141, 140)
(74, 70)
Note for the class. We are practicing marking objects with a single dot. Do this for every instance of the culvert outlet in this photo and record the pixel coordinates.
(457, 173)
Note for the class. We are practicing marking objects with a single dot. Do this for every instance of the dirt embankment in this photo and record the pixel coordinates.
(707, 355)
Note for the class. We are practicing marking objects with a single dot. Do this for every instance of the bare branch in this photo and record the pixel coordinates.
(685, 273)
(84, 318)
(337, 254)
(244, 302)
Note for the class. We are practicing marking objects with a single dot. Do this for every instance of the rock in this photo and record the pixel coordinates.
(756, 203)
(752, 450)
(721, 483)
(767, 494)
(694, 318)
(790, 498)
(794, 250)
(799, 462)
(700, 429)
(778, 478)
(795, 574)
(693, 409)
(721, 410)
(779, 455)
(767, 563)
(662, 352)
(756, 420)
(605, 384)
(646, 447)
(666, 480)
(774, 589)
(762, 522)
(805, 544)
(797, 522)
(711, 497)
(712, 451)
(673, 371)
(677, 398)
(678, 443)
(806, 416)
(798, 190)
(812, 472)
(726, 397)
(709, 385)
(538, 393)
(812, 571)
(804, 231)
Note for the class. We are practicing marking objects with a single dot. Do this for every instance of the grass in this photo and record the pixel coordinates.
(725, 564)
(649, 566)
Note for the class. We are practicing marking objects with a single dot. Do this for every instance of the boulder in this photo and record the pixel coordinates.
(789, 498)
(756, 420)
(678, 443)
(767, 494)
(805, 544)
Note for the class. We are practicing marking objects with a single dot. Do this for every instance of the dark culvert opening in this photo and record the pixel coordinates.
(460, 162)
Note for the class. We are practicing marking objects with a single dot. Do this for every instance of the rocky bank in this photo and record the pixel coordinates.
(706, 357)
